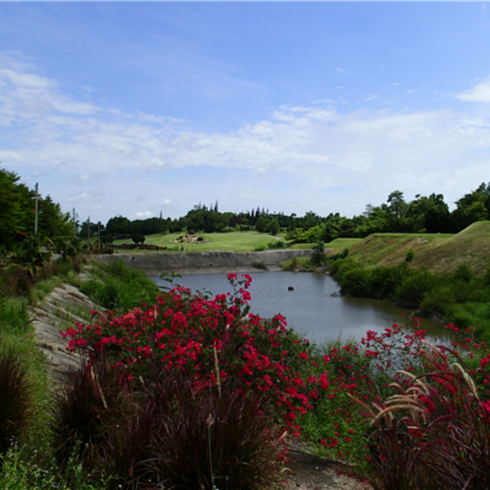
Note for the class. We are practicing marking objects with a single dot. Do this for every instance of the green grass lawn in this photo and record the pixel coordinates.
(342, 243)
(244, 241)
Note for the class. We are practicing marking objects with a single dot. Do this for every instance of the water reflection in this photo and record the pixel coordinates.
(314, 307)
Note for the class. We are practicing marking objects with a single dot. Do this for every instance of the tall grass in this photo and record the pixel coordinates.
(119, 288)
(168, 434)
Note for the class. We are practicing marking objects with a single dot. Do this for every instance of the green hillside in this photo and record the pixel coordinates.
(437, 252)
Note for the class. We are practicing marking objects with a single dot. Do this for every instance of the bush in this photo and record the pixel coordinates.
(415, 286)
(409, 255)
(291, 264)
(168, 432)
(340, 255)
(217, 438)
(275, 245)
(184, 331)
(318, 257)
(15, 401)
(435, 433)
(122, 289)
(463, 273)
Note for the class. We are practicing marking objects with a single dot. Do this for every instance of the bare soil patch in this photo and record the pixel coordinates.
(307, 471)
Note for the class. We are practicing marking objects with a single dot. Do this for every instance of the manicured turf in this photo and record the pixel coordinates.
(245, 241)
(237, 241)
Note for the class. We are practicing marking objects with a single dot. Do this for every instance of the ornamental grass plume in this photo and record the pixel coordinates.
(15, 400)
(169, 434)
(435, 433)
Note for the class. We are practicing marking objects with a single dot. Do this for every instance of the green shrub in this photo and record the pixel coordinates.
(384, 280)
(415, 286)
(409, 255)
(318, 257)
(290, 265)
(463, 273)
(438, 300)
(340, 255)
(120, 288)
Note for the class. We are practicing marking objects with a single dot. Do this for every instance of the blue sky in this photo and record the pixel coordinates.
(132, 108)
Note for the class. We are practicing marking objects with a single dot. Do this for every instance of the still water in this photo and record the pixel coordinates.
(314, 308)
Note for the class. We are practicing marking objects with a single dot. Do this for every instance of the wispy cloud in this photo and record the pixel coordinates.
(301, 157)
(479, 93)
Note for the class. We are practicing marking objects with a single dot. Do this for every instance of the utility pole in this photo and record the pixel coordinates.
(88, 229)
(74, 224)
(98, 235)
(36, 211)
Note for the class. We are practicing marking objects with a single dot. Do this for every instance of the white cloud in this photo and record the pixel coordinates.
(479, 93)
(300, 154)
(142, 215)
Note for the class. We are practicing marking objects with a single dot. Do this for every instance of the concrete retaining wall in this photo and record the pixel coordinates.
(205, 262)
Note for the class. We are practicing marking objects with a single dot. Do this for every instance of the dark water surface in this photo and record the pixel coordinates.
(311, 309)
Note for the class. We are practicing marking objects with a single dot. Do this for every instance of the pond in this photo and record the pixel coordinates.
(314, 307)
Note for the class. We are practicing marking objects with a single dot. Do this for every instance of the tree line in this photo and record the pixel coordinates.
(424, 214)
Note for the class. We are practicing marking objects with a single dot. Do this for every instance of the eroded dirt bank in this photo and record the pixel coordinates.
(204, 262)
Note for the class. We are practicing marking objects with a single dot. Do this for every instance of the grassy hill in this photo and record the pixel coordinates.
(439, 253)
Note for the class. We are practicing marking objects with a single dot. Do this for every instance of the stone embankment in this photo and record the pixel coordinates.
(62, 308)
(204, 262)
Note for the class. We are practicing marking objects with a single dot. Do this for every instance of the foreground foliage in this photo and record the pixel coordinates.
(191, 391)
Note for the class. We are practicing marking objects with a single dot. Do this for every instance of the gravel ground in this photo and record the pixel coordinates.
(307, 471)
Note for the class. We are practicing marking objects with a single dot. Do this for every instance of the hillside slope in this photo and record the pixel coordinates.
(439, 253)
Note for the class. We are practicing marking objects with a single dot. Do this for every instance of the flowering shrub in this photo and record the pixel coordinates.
(435, 431)
(218, 346)
(364, 372)
(214, 340)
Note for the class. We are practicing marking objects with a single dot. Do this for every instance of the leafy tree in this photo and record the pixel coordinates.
(473, 206)
(17, 203)
(52, 221)
(261, 224)
(118, 225)
(137, 238)
(318, 257)
(397, 205)
(274, 227)
(11, 212)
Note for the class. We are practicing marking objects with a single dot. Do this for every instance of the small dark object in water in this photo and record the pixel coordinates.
(290, 288)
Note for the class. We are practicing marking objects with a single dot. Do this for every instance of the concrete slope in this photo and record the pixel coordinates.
(61, 309)
(204, 262)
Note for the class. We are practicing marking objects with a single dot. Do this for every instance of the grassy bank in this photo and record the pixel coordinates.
(441, 254)
(447, 276)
